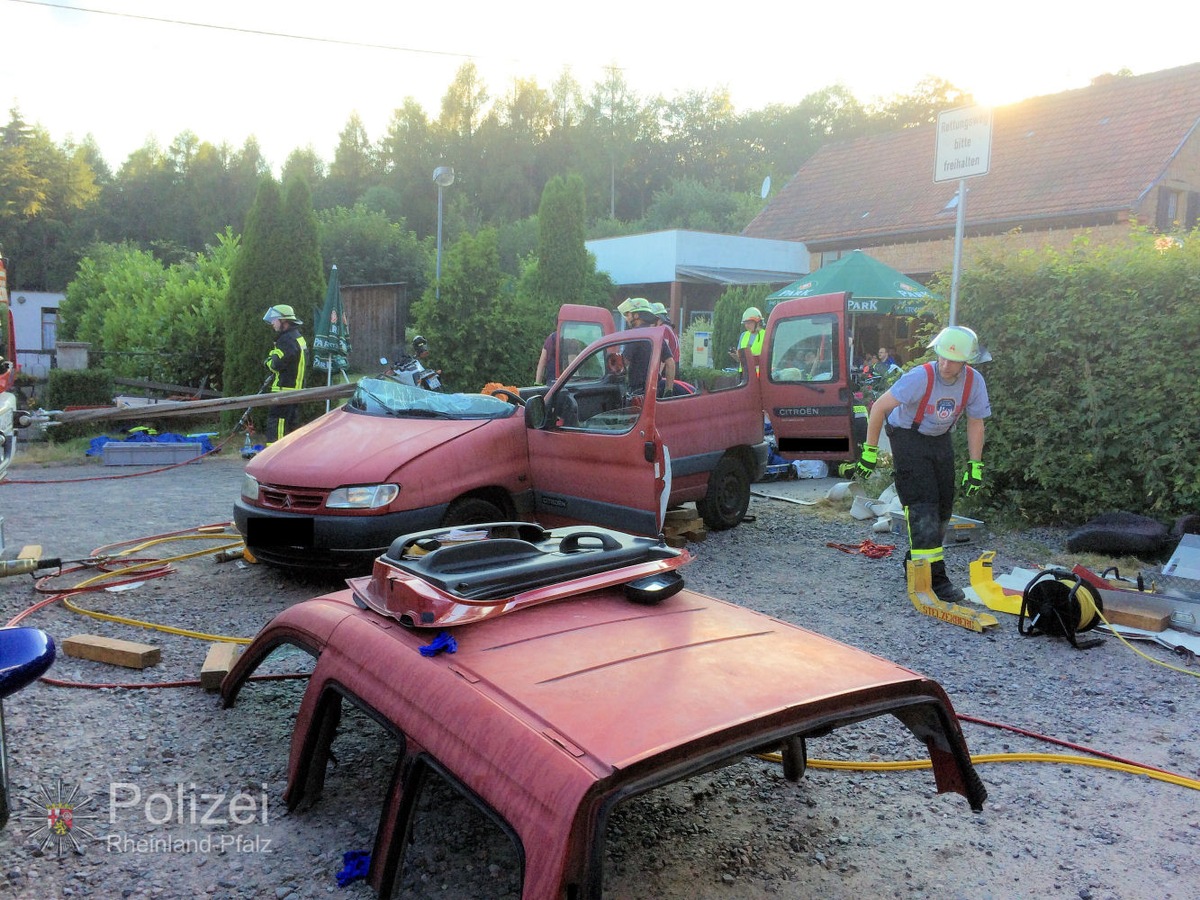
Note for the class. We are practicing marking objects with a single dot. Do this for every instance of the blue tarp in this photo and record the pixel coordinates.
(96, 447)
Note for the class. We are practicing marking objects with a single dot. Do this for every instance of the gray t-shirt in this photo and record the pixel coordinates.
(945, 403)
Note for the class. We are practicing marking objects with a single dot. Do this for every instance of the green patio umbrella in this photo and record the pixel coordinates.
(331, 340)
(873, 286)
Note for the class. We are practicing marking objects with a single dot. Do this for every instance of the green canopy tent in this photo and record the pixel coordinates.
(875, 288)
(331, 340)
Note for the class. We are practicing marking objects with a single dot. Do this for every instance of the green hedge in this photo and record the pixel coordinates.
(1095, 381)
(79, 387)
(66, 388)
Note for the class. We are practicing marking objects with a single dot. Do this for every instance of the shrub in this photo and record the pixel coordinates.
(68, 388)
(1093, 382)
(79, 387)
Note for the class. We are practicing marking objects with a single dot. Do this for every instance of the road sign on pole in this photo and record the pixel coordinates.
(964, 149)
(964, 143)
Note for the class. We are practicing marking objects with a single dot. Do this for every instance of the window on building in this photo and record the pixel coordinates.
(1170, 209)
(49, 327)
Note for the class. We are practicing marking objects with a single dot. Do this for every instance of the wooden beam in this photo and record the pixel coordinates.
(217, 663)
(199, 407)
(111, 650)
(163, 387)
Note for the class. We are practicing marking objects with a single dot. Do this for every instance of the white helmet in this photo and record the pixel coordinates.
(956, 343)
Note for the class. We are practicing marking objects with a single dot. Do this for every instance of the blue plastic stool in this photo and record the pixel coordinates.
(25, 654)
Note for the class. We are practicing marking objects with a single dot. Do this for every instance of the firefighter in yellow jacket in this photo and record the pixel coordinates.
(287, 361)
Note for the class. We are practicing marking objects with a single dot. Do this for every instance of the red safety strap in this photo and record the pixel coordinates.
(867, 548)
(928, 367)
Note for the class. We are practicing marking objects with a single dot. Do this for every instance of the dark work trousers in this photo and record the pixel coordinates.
(924, 473)
(281, 420)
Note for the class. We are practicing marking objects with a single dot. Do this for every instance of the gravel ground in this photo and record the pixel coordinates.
(1046, 830)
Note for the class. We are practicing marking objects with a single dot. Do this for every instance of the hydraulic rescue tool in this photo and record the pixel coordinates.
(920, 592)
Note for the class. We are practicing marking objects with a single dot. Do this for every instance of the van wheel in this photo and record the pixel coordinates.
(728, 496)
(472, 511)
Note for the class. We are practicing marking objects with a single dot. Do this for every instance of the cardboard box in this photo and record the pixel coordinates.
(139, 453)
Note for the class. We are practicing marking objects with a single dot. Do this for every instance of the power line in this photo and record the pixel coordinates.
(251, 31)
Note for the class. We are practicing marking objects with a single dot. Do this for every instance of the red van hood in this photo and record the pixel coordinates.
(349, 448)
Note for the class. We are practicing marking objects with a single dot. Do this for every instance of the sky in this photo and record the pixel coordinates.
(292, 72)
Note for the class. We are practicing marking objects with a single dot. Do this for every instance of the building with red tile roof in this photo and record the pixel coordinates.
(1091, 160)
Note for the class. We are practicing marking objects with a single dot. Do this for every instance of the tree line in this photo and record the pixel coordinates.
(647, 163)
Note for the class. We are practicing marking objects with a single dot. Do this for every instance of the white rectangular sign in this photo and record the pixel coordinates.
(964, 143)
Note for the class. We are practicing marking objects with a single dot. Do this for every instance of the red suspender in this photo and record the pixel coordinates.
(929, 391)
(928, 367)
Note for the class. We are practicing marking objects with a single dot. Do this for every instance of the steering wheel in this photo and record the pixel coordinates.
(511, 396)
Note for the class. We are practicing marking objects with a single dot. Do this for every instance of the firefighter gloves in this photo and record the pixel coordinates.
(866, 462)
(972, 479)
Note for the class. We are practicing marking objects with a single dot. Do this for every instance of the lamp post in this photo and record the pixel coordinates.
(443, 177)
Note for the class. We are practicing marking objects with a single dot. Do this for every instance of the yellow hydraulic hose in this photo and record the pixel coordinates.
(90, 583)
(1063, 758)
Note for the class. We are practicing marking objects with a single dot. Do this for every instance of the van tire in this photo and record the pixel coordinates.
(728, 496)
(472, 511)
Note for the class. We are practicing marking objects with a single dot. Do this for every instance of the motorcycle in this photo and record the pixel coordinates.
(411, 370)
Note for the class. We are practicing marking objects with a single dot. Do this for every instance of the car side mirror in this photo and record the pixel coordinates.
(535, 412)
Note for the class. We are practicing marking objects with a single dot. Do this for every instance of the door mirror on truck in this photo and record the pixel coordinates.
(535, 412)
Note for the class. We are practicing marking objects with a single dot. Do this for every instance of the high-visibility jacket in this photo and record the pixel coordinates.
(756, 346)
(288, 360)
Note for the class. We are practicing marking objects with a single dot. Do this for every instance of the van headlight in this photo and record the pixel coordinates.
(364, 496)
(249, 488)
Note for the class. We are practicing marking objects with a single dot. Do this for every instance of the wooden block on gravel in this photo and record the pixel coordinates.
(217, 663)
(111, 650)
(681, 516)
(1133, 611)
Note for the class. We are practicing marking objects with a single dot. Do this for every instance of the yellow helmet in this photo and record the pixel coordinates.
(635, 305)
(281, 311)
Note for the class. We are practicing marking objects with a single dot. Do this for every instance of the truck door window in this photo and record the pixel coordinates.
(573, 337)
(604, 392)
(457, 843)
(806, 348)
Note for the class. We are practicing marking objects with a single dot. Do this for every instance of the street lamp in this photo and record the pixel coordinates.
(443, 177)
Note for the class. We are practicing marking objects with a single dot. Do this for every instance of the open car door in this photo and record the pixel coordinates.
(8, 375)
(8, 336)
(806, 380)
(594, 453)
(578, 326)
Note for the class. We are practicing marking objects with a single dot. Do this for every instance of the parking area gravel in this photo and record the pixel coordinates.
(141, 754)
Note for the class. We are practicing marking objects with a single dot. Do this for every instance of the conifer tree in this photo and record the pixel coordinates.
(279, 263)
(562, 257)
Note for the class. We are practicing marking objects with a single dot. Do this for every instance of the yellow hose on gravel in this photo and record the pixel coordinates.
(91, 583)
(1063, 758)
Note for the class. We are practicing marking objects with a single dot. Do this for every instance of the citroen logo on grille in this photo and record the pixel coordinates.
(287, 501)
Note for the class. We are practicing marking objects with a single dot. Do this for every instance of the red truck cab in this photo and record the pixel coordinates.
(606, 444)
